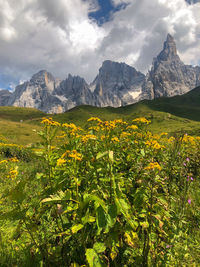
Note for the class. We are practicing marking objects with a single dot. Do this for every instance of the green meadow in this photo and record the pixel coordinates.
(101, 186)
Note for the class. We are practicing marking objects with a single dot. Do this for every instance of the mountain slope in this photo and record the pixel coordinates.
(168, 75)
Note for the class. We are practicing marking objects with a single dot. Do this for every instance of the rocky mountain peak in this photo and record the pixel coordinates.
(168, 75)
(169, 51)
(42, 77)
(116, 84)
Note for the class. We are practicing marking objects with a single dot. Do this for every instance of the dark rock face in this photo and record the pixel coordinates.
(168, 75)
(4, 97)
(74, 91)
(116, 84)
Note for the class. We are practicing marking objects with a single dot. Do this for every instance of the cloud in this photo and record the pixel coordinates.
(60, 37)
(142, 27)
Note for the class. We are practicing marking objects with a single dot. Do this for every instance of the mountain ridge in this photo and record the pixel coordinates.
(116, 84)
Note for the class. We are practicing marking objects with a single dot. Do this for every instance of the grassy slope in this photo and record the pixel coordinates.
(179, 113)
(15, 124)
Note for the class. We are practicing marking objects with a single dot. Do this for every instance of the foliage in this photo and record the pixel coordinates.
(113, 194)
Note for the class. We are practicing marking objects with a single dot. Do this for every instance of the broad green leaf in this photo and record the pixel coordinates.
(111, 157)
(87, 219)
(87, 198)
(93, 258)
(99, 247)
(101, 154)
(124, 208)
(101, 218)
(76, 228)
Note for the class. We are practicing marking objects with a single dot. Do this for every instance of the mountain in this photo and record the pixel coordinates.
(168, 75)
(4, 97)
(117, 84)
(51, 95)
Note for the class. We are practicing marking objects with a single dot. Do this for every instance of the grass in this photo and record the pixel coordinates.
(175, 114)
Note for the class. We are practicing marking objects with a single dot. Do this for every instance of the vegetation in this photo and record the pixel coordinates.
(111, 194)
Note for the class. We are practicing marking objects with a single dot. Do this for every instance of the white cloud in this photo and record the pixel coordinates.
(59, 36)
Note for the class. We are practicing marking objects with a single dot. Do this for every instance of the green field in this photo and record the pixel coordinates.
(175, 114)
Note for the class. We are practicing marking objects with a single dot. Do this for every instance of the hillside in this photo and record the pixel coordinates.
(175, 114)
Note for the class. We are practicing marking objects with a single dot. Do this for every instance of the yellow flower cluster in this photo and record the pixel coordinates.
(72, 127)
(12, 173)
(154, 144)
(86, 137)
(49, 121)
(153, 166)
(120, 121)
(132, 127)
(108, 125)
(10, 145)
(115, 139)
(124, 135)
(72, 154)
(141, 120)
(9, 160)
(60, 162)
(188, 139)
(95, 128)
(94, 119)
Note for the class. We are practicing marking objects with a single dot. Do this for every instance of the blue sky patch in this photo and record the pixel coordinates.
(106, 9)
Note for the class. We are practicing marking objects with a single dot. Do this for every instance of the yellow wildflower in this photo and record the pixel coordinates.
(188, 139)
(103, 137)
(94, 119)
(108, 125)
(74, 154)
(132, 127)
(153, 166)
(60, 161)
(14, 159)
(13, 173)
(49, 121)
(142, 120)
(95, 128)
(86, 137)
(115, 139)
(154, 144)
(120, 121)
(124, 135)
(3, 161)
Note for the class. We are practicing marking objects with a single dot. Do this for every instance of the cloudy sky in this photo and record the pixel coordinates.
(75, 36)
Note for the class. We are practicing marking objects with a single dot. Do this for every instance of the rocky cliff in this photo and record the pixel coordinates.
(116, 84)
(168, 75)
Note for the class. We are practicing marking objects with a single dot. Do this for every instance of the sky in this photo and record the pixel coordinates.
(76, 36)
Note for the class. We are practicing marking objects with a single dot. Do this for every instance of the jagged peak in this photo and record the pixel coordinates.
(42, 75)
(169, 51)
(170, 38)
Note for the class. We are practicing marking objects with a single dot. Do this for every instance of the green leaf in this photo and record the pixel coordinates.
(76, 228)
(112, 213)
(101, 154)
(110, 155)
(142, 152)
(99, 247)
(101, 218)
(87, 219)
(93, 258)
(125, 209)
(87, 198)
